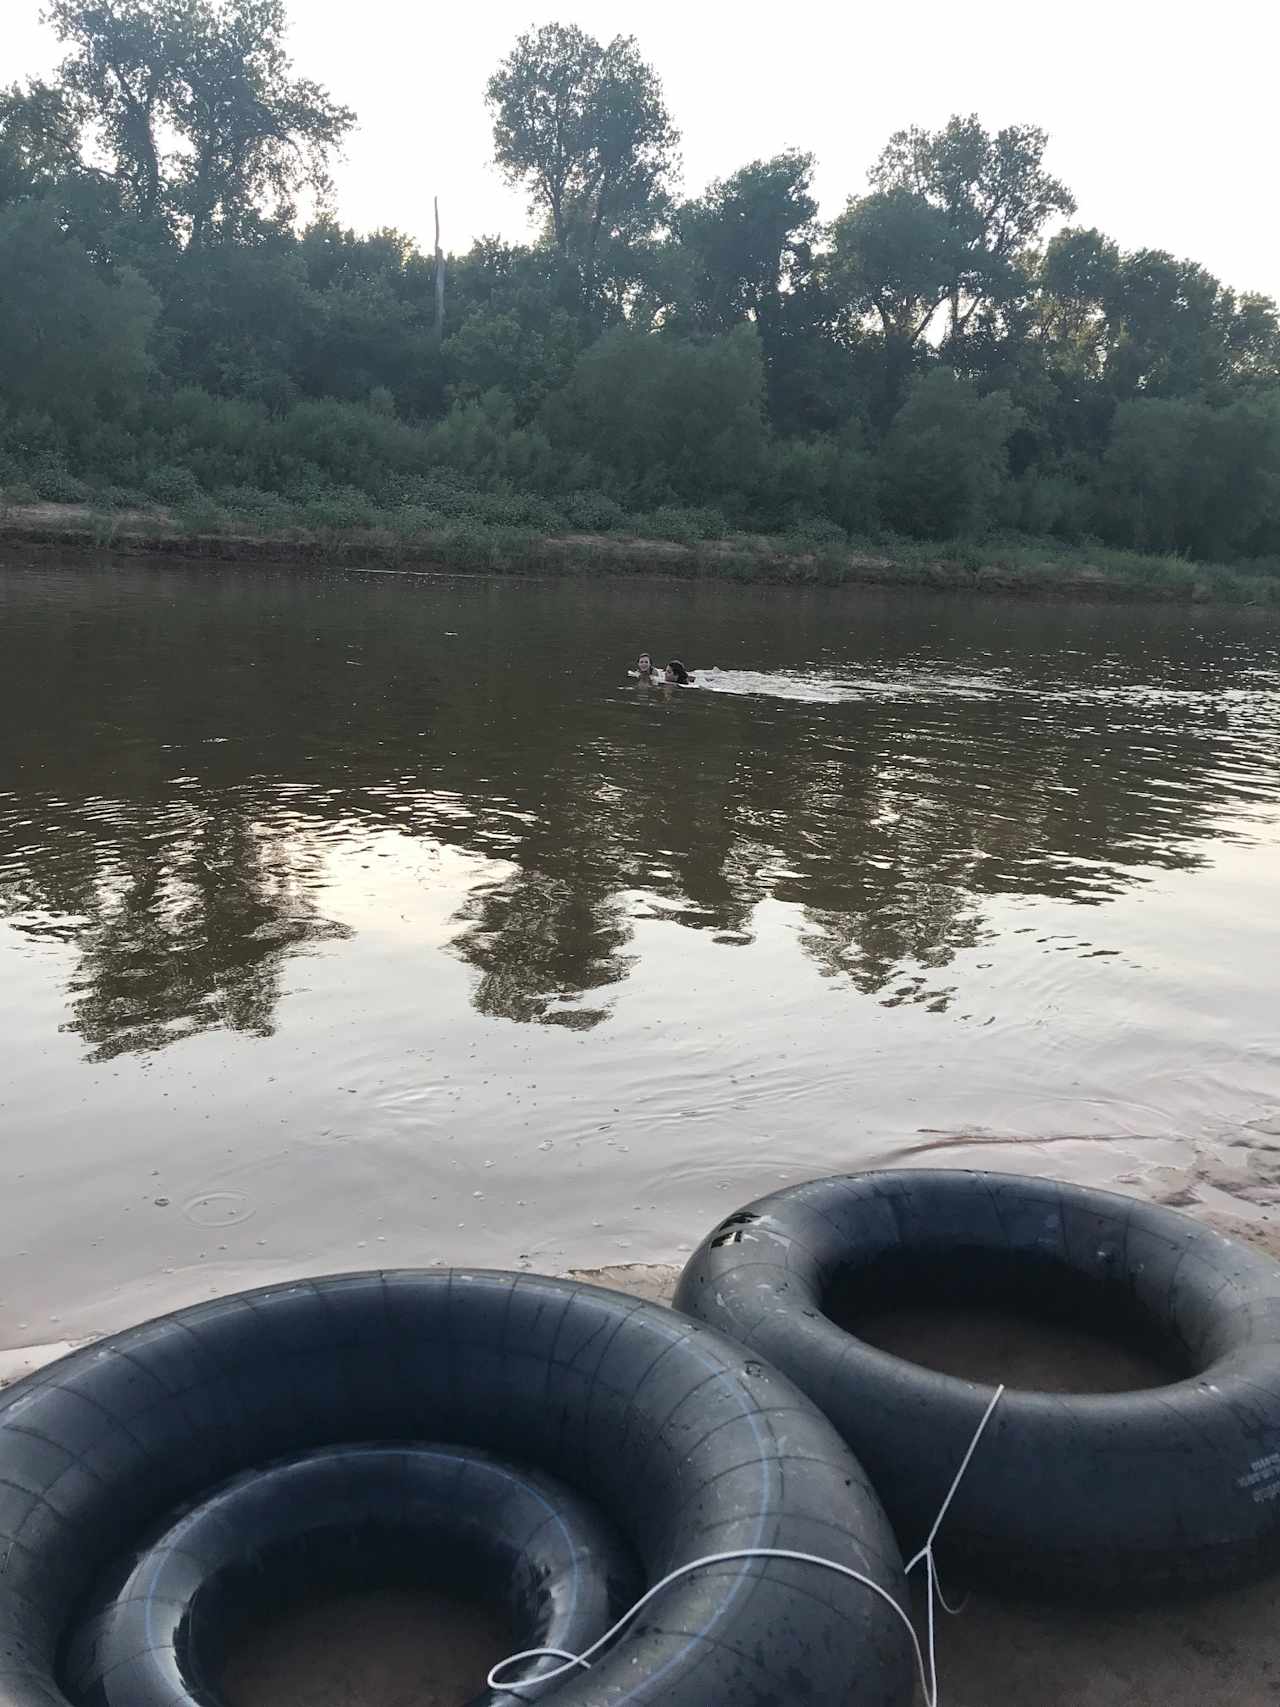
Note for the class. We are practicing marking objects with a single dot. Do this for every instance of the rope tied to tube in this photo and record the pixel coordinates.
(928, 1669)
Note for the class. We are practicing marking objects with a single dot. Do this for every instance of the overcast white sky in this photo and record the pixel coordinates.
(1161, 117)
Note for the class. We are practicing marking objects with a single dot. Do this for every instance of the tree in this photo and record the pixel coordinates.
(945, 457)
(123, 67)
(214, 75)
(39, 140)
(255, 135)
(516, 323)
(1077, 277)
(893, 257)
(1182, 476)
(495, 349)
(746, 237)
(942, 358)
(239, 319)
(993, 193)
(1169, 327)
(1147, 324)
(1253, 340)
(890, 265)
(73, 339)
(667, 416)
(583, 127)
(42, 159)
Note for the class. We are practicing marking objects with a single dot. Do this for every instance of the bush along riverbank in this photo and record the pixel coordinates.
(677, 544)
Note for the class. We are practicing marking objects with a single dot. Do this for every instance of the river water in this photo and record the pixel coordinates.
(364, 919)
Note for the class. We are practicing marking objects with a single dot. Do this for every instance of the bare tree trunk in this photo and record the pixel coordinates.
(439, 277)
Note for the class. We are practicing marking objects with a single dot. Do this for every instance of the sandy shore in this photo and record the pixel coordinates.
(1218, 1650)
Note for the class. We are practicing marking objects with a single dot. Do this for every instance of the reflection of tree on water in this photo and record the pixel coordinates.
(184, 932)
(891, 952)
(538, 944)
(886, 825)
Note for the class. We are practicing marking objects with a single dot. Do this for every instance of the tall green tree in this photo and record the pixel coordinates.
(583, 127)
(888, 272)
(214, 78)
(1146, 324)
(746, 237)
(892, 260)
(1078, 276)
(255, 134)
(993, 193)
(1175, 331)
(40, 129)
(747, 249)
(123, 65)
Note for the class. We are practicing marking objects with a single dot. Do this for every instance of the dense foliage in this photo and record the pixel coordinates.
(947, 357)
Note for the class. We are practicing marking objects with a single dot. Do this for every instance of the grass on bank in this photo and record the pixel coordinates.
(513, 534)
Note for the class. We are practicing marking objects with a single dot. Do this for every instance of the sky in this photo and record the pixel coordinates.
(1160, 117)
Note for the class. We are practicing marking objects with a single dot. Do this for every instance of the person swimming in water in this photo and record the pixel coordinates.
(676, 672)
(644, 670)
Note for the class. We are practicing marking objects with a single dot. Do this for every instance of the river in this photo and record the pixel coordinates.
(354, 920)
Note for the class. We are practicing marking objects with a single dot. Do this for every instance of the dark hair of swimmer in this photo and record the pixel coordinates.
(678, 670)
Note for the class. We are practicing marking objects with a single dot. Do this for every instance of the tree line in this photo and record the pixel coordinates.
(951, 355)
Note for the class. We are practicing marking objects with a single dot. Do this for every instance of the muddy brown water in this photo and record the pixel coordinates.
(362, 919)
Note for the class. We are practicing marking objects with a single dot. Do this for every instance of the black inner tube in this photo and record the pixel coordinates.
(170, 1617)
(1167, 1481)
(689, 1446)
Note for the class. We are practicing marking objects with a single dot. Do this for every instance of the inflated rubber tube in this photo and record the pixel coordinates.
(161, 1629)
(689, 1447)
(1134, 1492)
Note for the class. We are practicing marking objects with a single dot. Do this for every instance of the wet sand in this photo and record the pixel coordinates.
(394, 1648)
(984, 1345)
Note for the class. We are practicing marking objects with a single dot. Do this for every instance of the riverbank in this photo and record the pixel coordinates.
(1034, 568)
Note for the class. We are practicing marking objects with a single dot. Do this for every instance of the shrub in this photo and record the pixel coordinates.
(481, 442)
(55, 484)
(263, 509)
(816, 532)
(344, 508)
(169, 484)
(667, 416)
(684, 526)
(1185, 476)
(119, 498)
(202, 516)
(945, 457)
(594, 512)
